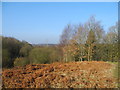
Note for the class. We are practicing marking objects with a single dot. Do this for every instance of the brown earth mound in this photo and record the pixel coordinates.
(85, 74)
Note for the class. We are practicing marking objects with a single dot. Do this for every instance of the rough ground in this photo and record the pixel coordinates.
(84, 74)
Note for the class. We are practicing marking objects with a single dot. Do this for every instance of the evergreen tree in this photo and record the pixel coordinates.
(90, 45)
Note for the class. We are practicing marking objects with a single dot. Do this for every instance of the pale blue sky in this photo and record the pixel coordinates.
(38, 22)
(0, 18)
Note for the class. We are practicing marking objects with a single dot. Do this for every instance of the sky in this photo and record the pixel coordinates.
(43, 22)
(60, 0)
(0, 18)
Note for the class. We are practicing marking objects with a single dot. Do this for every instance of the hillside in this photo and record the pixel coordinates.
(92, 74)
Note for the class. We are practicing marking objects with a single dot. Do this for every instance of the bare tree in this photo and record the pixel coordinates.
(112, 35)
(66, 35)
(65, 38)
(80, 37)
(96, 26)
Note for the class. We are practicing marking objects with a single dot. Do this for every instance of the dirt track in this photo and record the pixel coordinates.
(61, 75)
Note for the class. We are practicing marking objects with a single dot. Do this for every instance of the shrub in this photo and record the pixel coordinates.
(44, 55)
(39, 55)
(22, 61)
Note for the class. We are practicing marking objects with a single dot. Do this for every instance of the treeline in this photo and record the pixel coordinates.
(12, 49)
(20, 53)
(87, 41)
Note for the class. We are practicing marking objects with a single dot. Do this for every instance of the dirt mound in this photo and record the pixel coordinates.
(60, 75)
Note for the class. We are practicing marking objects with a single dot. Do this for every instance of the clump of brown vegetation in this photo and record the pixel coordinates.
(86, 74)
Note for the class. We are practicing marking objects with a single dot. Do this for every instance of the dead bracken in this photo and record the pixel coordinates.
(92, 74)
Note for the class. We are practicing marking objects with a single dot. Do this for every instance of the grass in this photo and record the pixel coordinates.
(117, 73)
(116, 70)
